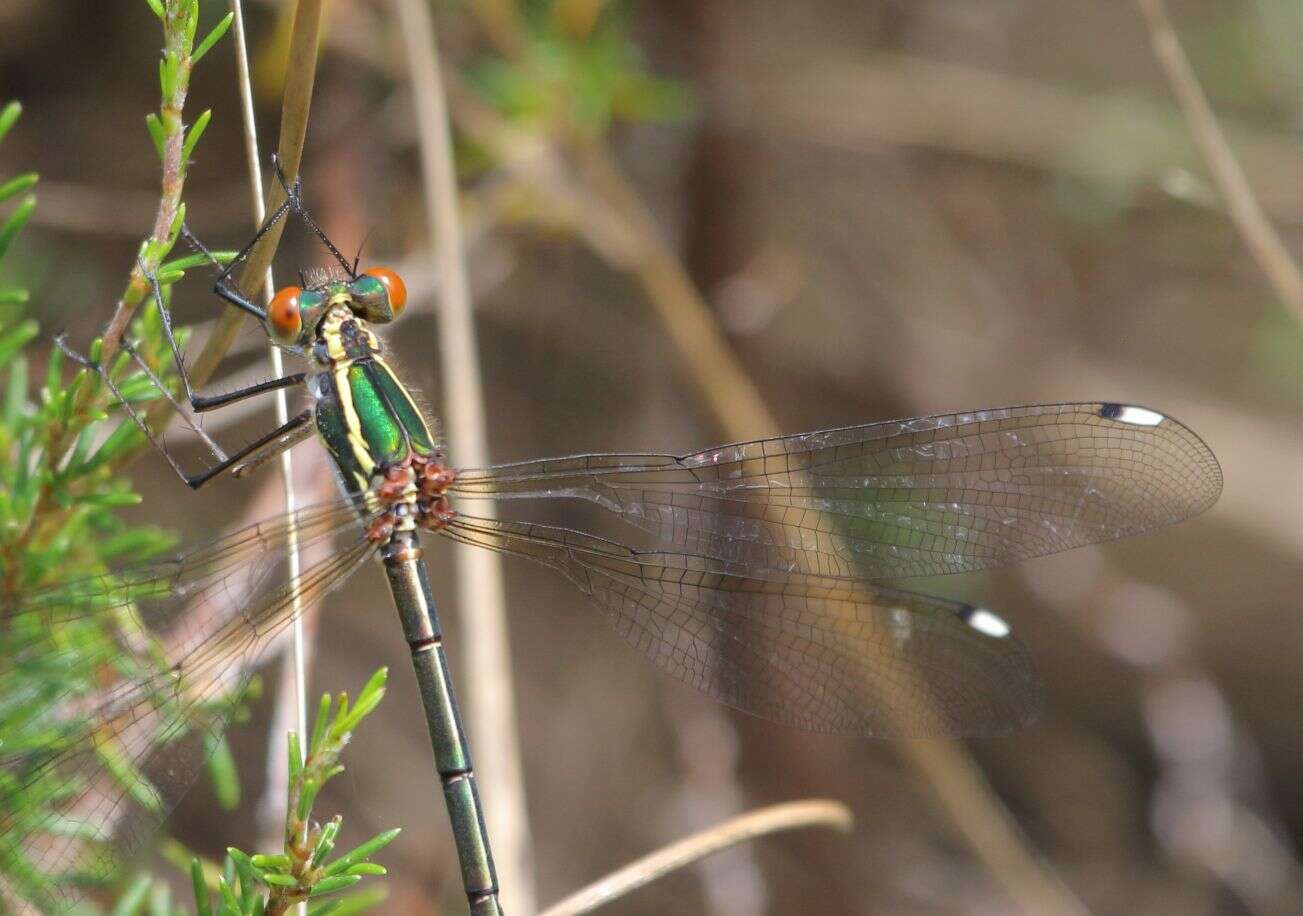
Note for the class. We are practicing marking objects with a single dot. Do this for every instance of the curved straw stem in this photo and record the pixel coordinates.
(481, 604)
(798, 815)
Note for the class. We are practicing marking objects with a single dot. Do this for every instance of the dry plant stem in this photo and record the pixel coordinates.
(954, 777)
(300, 74)
(481, 604)
(774, 819)
(707, 355)
(1259, 235)
(291, 698)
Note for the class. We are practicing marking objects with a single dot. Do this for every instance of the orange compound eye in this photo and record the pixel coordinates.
(283, 315)
(394, 284)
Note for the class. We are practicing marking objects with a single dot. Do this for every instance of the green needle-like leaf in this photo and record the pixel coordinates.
(196, 131)
(9, 116)
(319, 725)
(15, 394)
(16, 338)
(17, 185)
(362, 851)
(362, 900)
(295, 758)
(223, 773)
(191, 25)
(197, 259)
(156, 133)
(169, 69)
(212, 38)
(15, 222)
(133, 897)
(279, 862)
(330, 885)
(229, 900)
(174, 230)
(203, 906)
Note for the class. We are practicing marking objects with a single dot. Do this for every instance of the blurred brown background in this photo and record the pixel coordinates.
(894, 208)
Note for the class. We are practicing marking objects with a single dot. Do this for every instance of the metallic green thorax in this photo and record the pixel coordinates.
(366, 416)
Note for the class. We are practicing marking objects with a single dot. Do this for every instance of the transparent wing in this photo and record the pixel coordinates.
(925, 496)
(175, 639)
(821, 654)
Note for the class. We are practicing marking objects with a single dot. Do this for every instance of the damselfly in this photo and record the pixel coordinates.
(763, 592)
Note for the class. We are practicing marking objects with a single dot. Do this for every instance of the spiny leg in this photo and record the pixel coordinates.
(162, 389)
(103, 372)
(261, 457)
(288, 434)
(273, 443)
(199, 402)
(278, 439)
(222, 285)
(294, 198)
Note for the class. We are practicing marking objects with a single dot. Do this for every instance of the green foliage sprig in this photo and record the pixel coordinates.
(307, 869)
(60, 483)
(9, 189)
(573, 71)
(174, 146)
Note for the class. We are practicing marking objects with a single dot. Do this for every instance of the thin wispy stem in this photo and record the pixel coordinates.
(292, 697)
(1260, 237)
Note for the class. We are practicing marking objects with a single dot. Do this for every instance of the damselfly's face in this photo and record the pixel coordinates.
(377, 295)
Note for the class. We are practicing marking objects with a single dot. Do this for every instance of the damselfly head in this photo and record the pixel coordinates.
(378, 294)
(293, 314)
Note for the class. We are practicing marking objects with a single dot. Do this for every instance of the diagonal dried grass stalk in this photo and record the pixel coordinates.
(1245, 211)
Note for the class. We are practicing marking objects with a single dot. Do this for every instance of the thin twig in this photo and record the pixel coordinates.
(1260, 237)
(300, 74)
(788, 816)
(294, 676)
(481, 603)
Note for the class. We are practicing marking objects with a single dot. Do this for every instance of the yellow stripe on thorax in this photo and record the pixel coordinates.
(339, 369)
